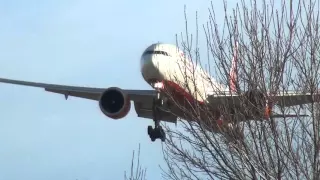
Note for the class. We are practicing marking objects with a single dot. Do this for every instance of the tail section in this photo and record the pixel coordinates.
(233, 71)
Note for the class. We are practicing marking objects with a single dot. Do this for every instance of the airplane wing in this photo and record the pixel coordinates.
(280, 99)
(141, 98)
(294, 99)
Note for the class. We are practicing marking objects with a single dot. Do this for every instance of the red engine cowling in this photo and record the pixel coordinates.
(114, 103)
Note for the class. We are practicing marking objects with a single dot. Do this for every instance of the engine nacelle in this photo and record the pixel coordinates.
(114, 103)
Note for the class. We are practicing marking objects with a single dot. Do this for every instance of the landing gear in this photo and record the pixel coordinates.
(157, 132)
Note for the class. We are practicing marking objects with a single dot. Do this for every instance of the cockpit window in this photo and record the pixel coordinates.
(157, 52)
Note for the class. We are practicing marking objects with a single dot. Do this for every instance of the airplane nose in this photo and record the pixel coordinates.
(146, 60)
(149, 68)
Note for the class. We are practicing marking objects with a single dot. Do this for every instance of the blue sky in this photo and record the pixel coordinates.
(87, 43)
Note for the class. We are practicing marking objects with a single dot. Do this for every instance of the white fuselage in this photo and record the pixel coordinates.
(165, 62)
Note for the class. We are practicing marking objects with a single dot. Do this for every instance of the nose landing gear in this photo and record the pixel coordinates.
(157, 132)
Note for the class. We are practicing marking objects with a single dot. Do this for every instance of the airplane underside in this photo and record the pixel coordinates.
(167, 92)
(184, 106)
(211, 118)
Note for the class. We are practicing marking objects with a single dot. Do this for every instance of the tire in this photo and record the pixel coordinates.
(163, 139)
(162, 134)
(150, 130)
(152, 138)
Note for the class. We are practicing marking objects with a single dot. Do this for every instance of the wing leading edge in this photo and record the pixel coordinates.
(76, 91)
(81, 92)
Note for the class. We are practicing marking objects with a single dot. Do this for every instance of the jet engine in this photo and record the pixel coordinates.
(114, 103)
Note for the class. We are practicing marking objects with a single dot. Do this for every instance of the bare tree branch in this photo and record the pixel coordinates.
(276, 46)
(136, 171)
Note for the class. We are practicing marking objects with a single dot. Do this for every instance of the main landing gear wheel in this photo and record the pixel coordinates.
(157, 132)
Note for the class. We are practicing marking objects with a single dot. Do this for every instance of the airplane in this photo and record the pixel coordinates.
(162, 67)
